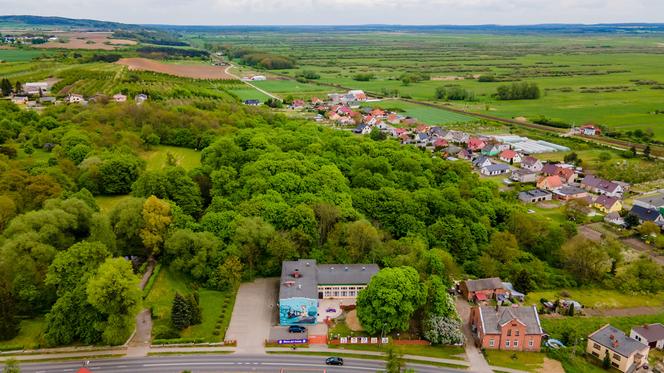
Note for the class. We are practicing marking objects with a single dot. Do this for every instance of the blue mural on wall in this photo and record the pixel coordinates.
(298, 311)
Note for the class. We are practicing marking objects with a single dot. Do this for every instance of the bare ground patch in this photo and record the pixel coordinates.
(353, 322)
(85, 40)
(185, 71)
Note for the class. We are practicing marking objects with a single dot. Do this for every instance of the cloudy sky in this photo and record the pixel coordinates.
(344, 12)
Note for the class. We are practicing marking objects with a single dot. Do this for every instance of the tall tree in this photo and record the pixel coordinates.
(156, 219)
(390, 300)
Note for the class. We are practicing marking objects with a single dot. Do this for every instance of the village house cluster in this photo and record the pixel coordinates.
(26, 39)
(37, 95)
(626, 353)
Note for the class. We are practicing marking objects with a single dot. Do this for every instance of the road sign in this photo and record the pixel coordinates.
(292, 341)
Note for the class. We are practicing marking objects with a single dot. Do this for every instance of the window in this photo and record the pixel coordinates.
(507, 344)
(516, 333)
(516, 343)
(490, 342)
(597, 347)
(509, 332)
(616, 357)
(595, 354)
(531, 343)
(615, 365)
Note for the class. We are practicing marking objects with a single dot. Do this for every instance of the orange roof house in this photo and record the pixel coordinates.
(549, 182)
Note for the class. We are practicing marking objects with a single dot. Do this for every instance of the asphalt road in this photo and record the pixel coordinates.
(223, 363)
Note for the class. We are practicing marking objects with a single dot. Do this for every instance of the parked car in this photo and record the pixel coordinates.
(331, 310)
(334, 361)
(296, 329)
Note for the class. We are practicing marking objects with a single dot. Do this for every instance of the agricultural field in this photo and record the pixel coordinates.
(428, 115)
(615, 81)
(86, 40)
(195, 71)
(18, 55)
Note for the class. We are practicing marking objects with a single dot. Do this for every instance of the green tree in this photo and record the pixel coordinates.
(228, 274)
(9, 325)
(156, 219)
(395, 362)
(585, 260)
(114, 292)
(181, 312)
(6, 87)
(442, 330)
(439, 302)
(11, 366)
(252, 236)
(126, 220)
(196, 254)
(390, 300)
(523, 281)
(118, 171)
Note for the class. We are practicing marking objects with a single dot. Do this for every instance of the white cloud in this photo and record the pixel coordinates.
(336, 12)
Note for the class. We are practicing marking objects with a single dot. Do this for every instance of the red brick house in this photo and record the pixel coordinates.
(512, 328)
(482, 289)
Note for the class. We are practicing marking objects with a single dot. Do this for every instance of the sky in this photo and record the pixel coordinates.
(344, 12)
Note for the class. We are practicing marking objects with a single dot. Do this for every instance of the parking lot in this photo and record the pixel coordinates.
(254, 314)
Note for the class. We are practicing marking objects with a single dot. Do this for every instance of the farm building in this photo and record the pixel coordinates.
(536, 195)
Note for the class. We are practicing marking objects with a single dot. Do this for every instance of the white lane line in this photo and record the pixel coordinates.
(319, 366)
(179, 364)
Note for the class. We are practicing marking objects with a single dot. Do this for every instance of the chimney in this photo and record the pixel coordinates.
(612, 337)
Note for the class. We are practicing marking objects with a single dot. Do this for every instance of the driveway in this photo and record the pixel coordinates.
(478, 363)
(254, 313)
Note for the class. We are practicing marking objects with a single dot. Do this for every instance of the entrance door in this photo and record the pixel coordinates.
(320, 295)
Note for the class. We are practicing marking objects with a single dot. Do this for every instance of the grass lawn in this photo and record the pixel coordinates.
(583, 326)
(106, 203)
(16, 55)
(428, 115)
(158, 159)
(30, 335)
(598, 298)
(213, 303)
(442, 352)
(529, 361)
(248, 93)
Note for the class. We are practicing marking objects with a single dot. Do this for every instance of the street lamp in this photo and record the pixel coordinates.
(382, 332)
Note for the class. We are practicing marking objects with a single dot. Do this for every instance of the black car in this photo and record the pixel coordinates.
(334, 361)
(296, 329)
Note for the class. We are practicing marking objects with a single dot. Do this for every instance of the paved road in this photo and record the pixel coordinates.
(477, 361)
(223, 363)
(254, 314)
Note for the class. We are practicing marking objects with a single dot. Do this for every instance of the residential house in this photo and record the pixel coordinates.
(476, 144)
(303, 283)
(626, 354)
(566, 174)
(47, 100)
(482, 161)
(651, 335)
(568, 193)
(482, 289)
(614, 218)
(524, 176)
(437, 131)
(601, 186)
(440, 143)
(451, 150)
(119, 97)
(142, 97)
(491, 150)
(298, 104)
(362, 129)
(510, 156)
(316, 101)
(393, 119)
(379, 113)
(511, 328)
(422, 138)
(457, 137)
(652, 201)
(465, 155)
(535, 195)
(645, 214)
(357, 95)
(35, 88)
(607, 204)
(495, 170)
(20, 100)
(549, 182)
(590, 130)
(75, 99)
(532, 164)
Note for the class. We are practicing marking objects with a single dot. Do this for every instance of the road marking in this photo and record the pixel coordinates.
(187, 363)
(318, 366)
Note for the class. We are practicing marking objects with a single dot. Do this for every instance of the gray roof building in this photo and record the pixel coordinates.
(484, 284)
(650, 332)
(301, 278)
(616, 341)
(493, 317)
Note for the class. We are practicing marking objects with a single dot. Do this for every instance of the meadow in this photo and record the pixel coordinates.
(16, 55)
(611, 80)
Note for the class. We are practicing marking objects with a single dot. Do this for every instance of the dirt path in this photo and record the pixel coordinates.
(139, 344)
(587, 232)
(642, 247)
(228, 72)
(551, 366)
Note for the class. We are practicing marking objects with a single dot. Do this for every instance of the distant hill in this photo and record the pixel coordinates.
(38, 22)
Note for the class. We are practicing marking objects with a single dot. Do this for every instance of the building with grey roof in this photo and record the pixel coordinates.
(625, 353)
(535, 195)
(507, 328)
(653, 201)
(304, 282)
(649, 334)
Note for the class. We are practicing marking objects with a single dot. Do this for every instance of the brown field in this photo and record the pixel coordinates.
(185, 71)
(86, 40)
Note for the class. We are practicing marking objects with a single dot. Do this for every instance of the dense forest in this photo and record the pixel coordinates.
(269, 188)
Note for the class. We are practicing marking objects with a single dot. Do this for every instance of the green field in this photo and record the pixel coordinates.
(428, 115)
(214, 304)
(614, 80)
(17, 55)
(528, 361)
(29, 337)
(157, 158)
(249, 93)
(599, 298)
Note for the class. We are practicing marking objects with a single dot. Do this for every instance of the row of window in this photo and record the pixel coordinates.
(596, 346)
(515, 344)
(509, 332)
(340, 291)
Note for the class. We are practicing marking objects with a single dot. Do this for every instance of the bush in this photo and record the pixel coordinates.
(486, 78)
(454, 94)
(177, 341)
(11, 347)
(151, 281)
(518, 91)
(364, 77)
(165, 332)
(307, 74)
